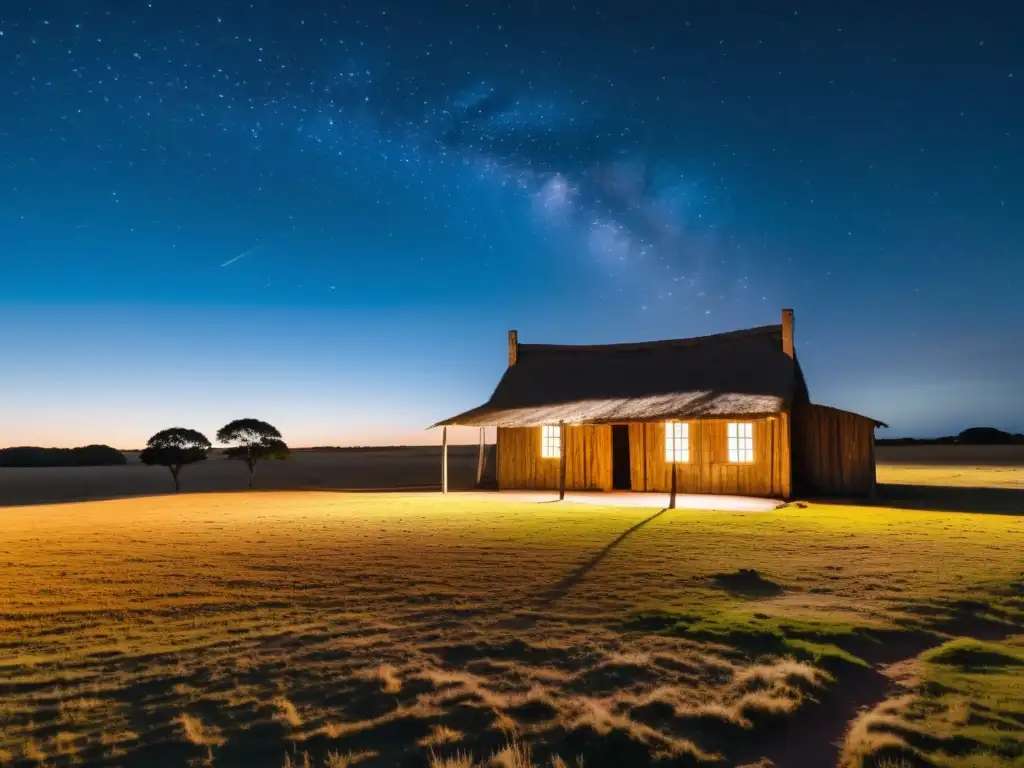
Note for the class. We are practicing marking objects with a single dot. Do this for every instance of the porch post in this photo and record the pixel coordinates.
(480, 460)
(561, 467)
(672, 496)
(444, 460)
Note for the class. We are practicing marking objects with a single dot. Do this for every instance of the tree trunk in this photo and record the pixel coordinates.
(252, 472)
(174, 474)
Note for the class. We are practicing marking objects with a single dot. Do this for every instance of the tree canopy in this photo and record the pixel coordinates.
(252, 441)
(174, 448)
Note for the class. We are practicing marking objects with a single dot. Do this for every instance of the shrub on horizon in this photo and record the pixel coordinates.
(85, 456)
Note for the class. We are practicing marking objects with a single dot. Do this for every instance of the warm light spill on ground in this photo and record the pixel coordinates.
(156, 630)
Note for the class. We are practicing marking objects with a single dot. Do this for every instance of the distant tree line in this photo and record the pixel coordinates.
(972, 436)
(86, 456)
(250, 441)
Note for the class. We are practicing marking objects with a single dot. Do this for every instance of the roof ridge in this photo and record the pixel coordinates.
(637, 345)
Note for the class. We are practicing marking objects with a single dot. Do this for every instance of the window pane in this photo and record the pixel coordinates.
(740, 442)
(550, 442)
(677, 441)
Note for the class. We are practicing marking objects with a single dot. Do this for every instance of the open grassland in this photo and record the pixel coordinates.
(953, 466)
(383, 468)
(912, 471)
(936, 456)
(332, 629)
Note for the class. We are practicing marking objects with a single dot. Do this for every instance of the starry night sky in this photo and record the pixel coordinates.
(328, 214)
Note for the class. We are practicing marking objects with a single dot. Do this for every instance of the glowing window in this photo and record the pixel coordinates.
(741, 442)
(550, 442)
(677, 442)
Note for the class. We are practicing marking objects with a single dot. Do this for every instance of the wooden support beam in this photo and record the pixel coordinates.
(513, 347)
(675, 482)
(561, 459)
(480, 460)
(444, 460)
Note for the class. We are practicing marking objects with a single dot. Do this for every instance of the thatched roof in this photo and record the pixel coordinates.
(738, 374)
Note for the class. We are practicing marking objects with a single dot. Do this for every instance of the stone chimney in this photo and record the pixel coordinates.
(513, 346)
(787, 332)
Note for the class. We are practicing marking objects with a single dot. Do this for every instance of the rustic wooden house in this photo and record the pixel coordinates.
(721, 414)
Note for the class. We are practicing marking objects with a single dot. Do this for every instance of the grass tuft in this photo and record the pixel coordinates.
(515, 754)
(195, 732)
(458, 760)
(285, 712)
(441, 734)
(338, 760)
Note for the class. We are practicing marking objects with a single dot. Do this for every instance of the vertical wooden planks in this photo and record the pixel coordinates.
(834, 451)
(824, 454)
(645, 437)
(872, 480)
(563, 456)
(587, 450)
(784, 456)
(637, 455)
(601, 458)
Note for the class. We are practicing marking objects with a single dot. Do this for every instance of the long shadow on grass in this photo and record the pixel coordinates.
(558, 591)
(563, 587)
(939, 498)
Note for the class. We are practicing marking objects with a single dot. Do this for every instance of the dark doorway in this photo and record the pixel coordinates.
(620, 458)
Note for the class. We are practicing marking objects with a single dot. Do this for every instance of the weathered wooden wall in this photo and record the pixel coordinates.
(833, 452)
(709, 469)
(588, 459)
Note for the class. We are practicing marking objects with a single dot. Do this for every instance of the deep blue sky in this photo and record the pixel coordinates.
(328, 214)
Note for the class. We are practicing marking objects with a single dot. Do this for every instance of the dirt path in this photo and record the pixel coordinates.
(815, 741)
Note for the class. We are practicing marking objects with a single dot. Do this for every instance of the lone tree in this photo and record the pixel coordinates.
(253, 440)
(174, 448)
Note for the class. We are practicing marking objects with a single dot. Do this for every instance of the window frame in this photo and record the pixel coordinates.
(677, 445)
(739, 442)
(551, 441)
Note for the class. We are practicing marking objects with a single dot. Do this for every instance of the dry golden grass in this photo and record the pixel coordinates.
(253, 628)
(441, 734)
(515, 754)
(195, 732)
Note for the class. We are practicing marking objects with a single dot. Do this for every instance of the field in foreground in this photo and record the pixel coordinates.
(249, 629)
